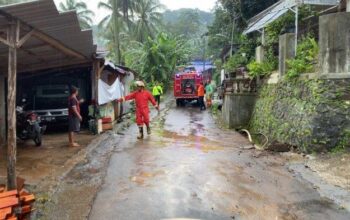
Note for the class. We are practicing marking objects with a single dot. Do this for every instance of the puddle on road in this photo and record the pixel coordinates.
(168, 138)
(141, 177)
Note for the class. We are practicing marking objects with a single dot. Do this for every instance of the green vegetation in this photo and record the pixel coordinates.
(140, 35)
(237, 60)
(343, 144)
(215, 108)
(157, 58)
(305, 60)
(259, 69)
(309, 114)
(191, 24)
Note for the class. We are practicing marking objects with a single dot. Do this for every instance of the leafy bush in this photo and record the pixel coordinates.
(305, 61)
(237, 60)
(260, 69)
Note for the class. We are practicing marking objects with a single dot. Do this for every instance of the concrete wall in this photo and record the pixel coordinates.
(286, 51)
(2, 110)
(237, 109)
(334, 43)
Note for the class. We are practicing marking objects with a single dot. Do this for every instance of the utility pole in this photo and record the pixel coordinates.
(233, 28)
(204, 55)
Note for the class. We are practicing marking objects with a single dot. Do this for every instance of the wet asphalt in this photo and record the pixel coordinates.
(188, 168)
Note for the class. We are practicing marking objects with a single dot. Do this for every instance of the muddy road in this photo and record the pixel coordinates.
(189, 168)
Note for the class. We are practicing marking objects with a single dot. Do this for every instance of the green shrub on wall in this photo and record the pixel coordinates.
(312, 114)
(260, 69)
(237, 60)
(306, 59)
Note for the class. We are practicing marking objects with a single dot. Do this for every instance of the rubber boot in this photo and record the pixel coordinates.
(148, 130)
(140, 136)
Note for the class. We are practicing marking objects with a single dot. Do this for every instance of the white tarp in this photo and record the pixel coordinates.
(108, 93)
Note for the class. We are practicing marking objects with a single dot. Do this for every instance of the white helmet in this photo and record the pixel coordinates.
(140, 83)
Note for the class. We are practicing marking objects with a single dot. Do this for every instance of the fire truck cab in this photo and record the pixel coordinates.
(185, 86)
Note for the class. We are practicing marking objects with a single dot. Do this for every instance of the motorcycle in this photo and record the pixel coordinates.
(28, 125)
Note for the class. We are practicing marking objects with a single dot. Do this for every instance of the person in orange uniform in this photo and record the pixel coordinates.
(141, 97)
(200, 93)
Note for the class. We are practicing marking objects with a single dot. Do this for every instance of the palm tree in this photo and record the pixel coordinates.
(127, 7)
(84, 14)
(112, 24)
(148, 17)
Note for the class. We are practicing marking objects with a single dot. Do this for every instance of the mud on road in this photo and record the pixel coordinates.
(189, 168)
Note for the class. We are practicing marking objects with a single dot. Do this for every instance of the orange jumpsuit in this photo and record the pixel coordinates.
(142, 111)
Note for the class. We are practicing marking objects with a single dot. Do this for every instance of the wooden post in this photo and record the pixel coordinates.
(11, 103)
(98, 67)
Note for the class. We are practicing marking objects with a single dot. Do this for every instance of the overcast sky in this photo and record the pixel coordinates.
(205, 5)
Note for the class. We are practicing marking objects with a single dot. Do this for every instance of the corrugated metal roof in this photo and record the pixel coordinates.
(272, 13)
(63, 27)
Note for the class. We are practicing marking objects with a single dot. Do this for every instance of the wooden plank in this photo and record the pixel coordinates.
(57, 45)
(24, 193)
(26, 209)
(4, 41)
(5, 212)
(8, 202)
(28, 198)
(24, 39)
(11, 113)
(18, 30)
(8, 193)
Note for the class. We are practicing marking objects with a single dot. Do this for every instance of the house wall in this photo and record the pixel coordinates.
(2, 110)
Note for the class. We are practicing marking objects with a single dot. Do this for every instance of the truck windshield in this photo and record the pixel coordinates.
(51, 97)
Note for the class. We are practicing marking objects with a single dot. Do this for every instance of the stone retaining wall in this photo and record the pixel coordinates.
(313, 114)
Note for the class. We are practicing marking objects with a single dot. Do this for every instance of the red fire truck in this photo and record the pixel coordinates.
(185, 86)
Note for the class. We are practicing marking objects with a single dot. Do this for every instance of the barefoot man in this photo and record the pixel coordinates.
(142, 97)
(74, 116)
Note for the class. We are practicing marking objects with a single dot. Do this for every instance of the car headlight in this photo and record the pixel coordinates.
(65, 112)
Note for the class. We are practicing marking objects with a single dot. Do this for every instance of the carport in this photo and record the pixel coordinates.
(35, 36)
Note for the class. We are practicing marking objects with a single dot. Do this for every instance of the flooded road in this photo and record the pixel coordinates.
(190, 169)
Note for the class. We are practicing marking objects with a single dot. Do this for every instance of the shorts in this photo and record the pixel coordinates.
(73, 124)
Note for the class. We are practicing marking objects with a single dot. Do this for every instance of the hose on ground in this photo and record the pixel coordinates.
(252, 142)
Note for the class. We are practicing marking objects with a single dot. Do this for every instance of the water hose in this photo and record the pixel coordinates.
(252, 142)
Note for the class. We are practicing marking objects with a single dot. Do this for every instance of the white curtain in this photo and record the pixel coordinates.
(108, 93)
